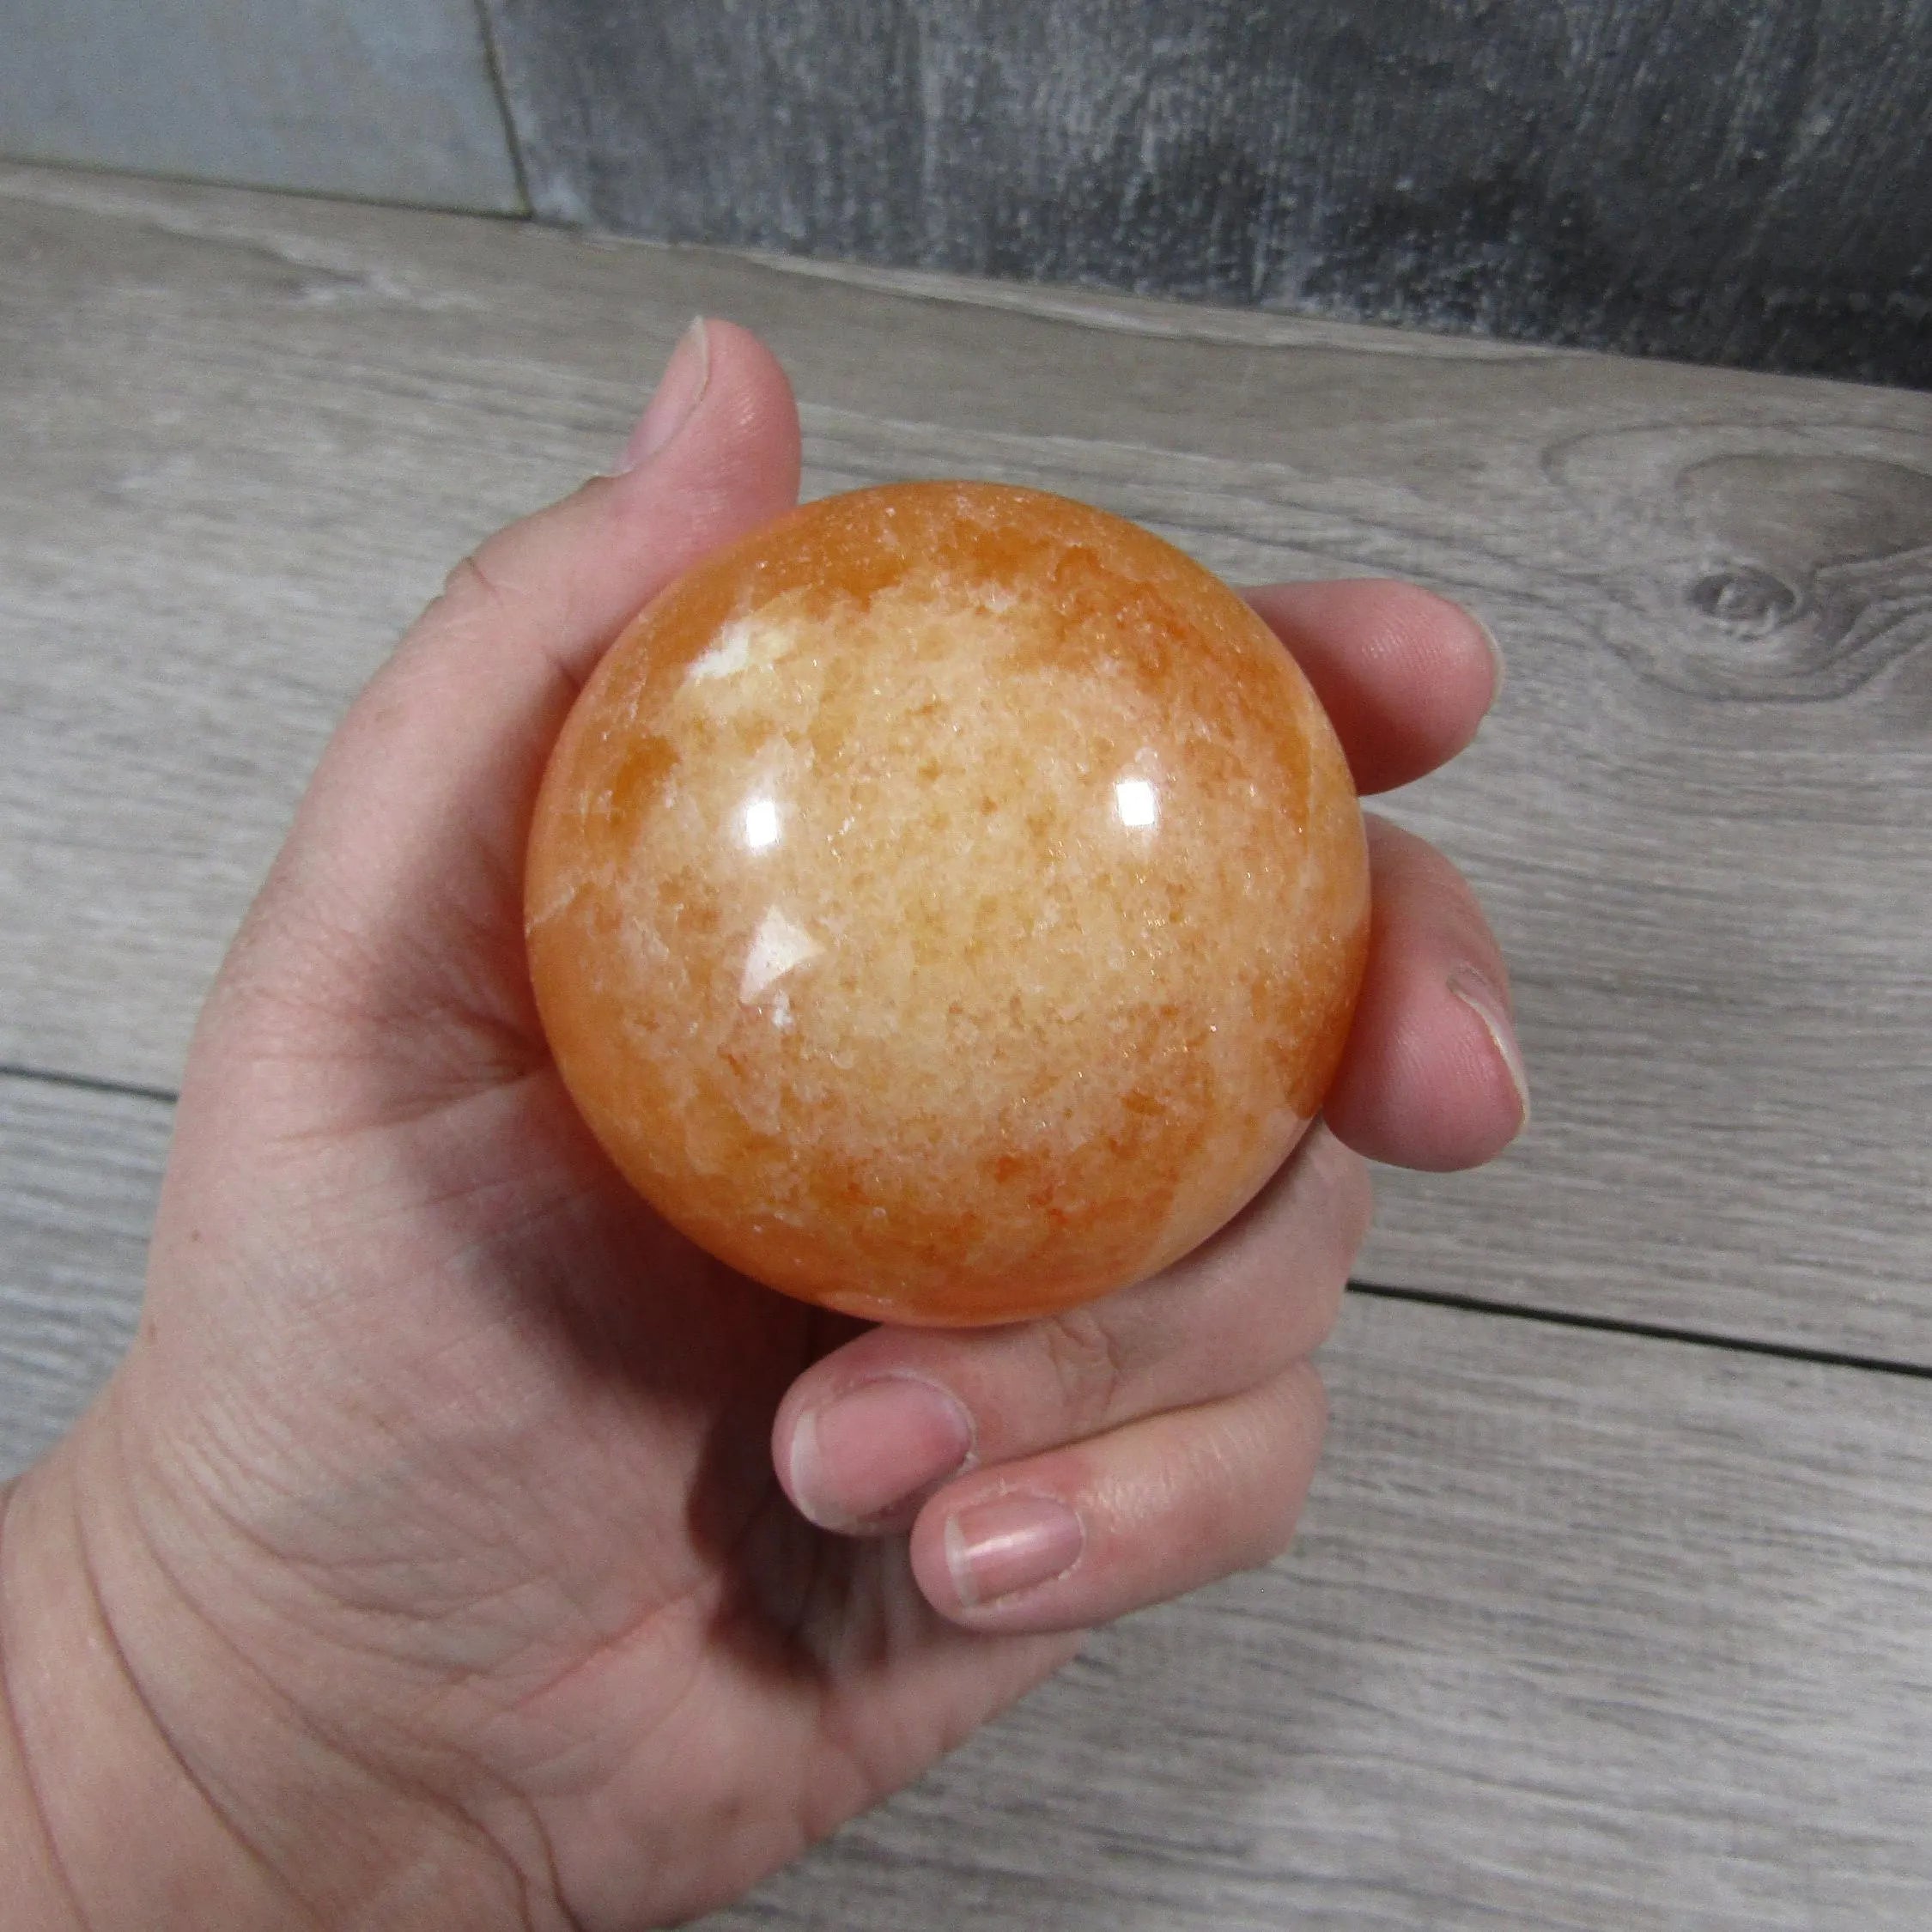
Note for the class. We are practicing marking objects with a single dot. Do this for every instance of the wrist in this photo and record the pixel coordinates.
(149, 1778)
(43, 1900)
(123, 1835)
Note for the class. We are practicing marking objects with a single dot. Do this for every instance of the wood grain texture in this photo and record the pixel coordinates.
(256, 431)
(1727, 183)
(394, 100)
(1582, 1632)
(79, 1172)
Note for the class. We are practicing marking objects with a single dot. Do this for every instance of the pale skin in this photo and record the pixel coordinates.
(457, 1545)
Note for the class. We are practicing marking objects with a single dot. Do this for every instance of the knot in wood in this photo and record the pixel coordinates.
(1746, 599)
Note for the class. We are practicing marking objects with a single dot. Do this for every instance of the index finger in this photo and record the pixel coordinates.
(1405, 676)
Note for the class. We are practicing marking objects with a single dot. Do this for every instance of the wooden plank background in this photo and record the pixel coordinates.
(392, 99)
(260, 430)
(1744, 185)
(1587, 1630)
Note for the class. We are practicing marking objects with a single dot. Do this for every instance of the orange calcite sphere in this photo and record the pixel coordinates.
(948, 903)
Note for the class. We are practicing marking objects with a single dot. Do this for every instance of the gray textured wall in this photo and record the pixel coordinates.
(1740, 181)
(1712, 179)
(388, 100)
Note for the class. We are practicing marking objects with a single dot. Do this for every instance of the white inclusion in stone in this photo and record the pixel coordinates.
(1137, 802)
(744, 644)
(760, 824)
(728, 656)
(776, 947)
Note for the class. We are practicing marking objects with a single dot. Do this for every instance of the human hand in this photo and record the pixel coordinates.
(458, 1544)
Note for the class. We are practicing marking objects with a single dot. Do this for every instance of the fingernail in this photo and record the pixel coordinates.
(679, 390)
(1010, 1544)
(859, 1455)
(1499, 670)
(1486, 1003)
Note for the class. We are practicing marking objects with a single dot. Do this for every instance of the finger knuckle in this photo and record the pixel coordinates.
(1268, 1519)
(1347, 1190)
(1289, 1310)
(1272, 1294)
(1284, 1473)
(1274, 1535)
(1321, 1310)
(1308, 1400)
(471, 591)
(1088, 1361)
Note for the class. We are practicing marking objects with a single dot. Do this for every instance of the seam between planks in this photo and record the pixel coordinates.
(86, 1083)
(1645, 1331)
(1374, 1290)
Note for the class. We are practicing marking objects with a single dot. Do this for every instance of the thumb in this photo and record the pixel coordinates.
(389, 930)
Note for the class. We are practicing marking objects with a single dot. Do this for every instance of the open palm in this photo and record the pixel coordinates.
(600, 1578)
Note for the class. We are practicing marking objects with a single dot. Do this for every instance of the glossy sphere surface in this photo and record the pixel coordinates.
(948, 903)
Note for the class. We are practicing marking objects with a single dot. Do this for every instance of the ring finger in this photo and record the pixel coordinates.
(1085, 1535)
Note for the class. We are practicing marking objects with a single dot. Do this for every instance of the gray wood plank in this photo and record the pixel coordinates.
(79, 1172)
(1732, 183)
(256, 430)
(1582, 1632)
(394, 100)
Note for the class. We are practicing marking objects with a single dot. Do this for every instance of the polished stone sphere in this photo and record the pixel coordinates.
(948, 903)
